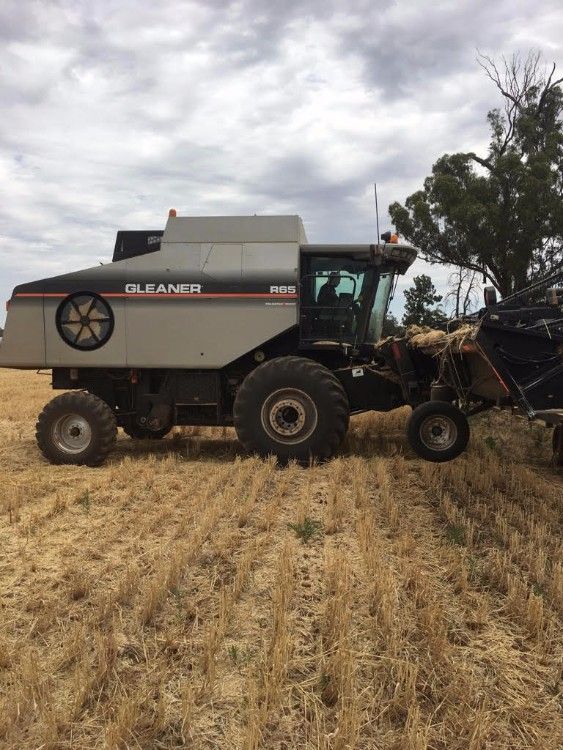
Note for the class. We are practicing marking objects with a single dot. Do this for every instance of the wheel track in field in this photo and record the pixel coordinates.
(299, 715)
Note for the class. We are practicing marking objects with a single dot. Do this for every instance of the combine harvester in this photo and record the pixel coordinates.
(238, 321)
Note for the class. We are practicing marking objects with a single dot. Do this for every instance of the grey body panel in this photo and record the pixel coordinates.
(237, 229)
(221, 271)
(23, 342)
(202, 334)
(210, 329)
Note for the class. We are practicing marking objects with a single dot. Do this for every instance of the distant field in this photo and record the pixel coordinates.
(185, 595)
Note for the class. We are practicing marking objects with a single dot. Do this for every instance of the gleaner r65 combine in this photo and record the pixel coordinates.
(215, 321)
(238, 321)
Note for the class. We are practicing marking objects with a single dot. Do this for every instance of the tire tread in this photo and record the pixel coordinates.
(423, 411)
(73, 401)
(306, 368)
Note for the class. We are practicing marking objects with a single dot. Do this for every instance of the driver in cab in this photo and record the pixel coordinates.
(328, 296)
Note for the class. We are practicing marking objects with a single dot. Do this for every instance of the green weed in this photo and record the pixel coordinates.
(306, 529)
(455, 534)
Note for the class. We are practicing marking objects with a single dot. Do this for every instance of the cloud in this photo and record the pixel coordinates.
(115, 111)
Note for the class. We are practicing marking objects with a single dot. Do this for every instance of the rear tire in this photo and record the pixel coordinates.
(557, 444)
(76, 428)
(136, 432)
(438, 431)
(293, 408)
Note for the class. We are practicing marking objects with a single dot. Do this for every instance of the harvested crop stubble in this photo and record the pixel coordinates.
(188, 595)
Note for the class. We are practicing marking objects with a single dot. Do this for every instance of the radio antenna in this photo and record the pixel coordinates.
(376, 211)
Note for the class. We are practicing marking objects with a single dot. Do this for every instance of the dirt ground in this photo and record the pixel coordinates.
(186, 595)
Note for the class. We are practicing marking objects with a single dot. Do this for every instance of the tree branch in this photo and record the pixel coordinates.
(483, 162)
(453, 261)
(549, 86)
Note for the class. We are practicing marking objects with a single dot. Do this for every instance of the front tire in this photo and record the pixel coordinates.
(76, 428)
(438, 431)
(293, 408)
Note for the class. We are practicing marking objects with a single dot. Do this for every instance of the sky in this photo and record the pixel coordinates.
(113, 111)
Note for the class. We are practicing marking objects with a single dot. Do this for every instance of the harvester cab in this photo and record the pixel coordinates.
(344, 294)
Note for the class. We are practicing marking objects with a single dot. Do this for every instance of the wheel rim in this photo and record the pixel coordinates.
(438, 432)
(289, 416)
(72, 434)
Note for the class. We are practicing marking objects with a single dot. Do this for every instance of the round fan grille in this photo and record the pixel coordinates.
(85, 321)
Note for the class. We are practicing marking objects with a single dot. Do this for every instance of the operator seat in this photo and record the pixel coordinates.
(336, 321)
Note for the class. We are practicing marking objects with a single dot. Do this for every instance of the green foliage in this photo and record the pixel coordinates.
(500, 214)
(392, 327)
(455, 534)
(306, 529)
(421, 304)
(490, 442)
(538, 589)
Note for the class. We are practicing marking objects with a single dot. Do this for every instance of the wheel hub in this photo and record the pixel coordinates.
(438, 432)
(289, 415)
(72, 433)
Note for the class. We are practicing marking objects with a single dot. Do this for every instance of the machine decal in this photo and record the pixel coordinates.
(283, 289)
(176, 291)
(162, 289)
(173, 285)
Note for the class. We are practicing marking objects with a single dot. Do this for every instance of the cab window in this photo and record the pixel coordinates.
(379, 308)
(333, 292)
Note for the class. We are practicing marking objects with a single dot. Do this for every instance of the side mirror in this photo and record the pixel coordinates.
(490, 294)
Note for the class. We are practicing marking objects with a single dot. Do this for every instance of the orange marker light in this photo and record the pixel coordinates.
(394, 239)
(172, 212)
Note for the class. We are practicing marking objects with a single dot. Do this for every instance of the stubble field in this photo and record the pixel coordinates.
(186, 595)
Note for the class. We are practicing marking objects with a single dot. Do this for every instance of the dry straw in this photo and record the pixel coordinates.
(167, 600)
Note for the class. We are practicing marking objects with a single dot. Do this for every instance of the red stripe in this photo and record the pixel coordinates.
(165, 296)
(40, 294)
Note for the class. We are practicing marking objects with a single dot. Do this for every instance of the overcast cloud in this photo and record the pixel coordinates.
(114, 110)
